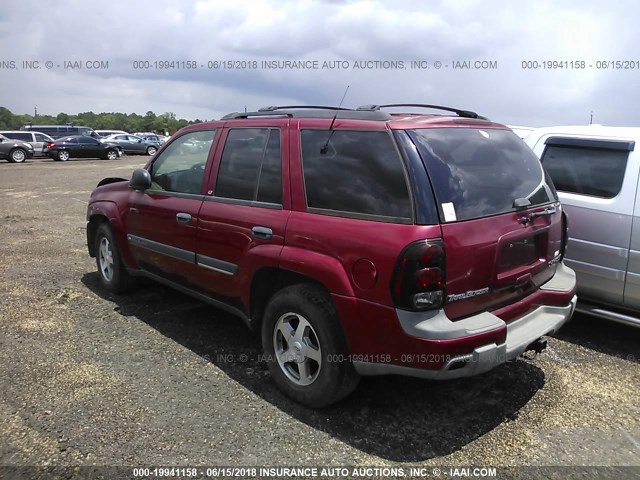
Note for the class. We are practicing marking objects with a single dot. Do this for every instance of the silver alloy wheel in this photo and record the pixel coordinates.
(63, 155)
(152, 150)
(106, 259)
(18, 155)
(112, 154)
(297, 349)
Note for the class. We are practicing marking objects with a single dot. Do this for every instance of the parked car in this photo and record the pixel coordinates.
(58, 131)
(37, 140)
(154, 138)
(422, 245)
(15, 151)
(81, 146)
(595, 170)
(106, 133)
(133, 145)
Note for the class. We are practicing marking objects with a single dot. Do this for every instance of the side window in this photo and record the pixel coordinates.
(25, 137)
(251, 166)
(41, 138)
(359, 173)
(180, 168)
(586, 171)
(87, 141)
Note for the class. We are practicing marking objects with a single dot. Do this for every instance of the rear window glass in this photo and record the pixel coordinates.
(480, 172)
(586, 171)
(359, 173)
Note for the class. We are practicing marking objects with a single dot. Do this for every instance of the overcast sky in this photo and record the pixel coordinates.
(210, 31)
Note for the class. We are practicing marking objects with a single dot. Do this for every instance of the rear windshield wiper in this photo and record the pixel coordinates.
(532, 216)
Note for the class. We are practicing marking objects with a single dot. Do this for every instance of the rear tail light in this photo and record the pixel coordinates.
(565, 234)
(50, 145)
(419, 276)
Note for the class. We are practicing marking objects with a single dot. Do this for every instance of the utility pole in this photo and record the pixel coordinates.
(591, 119)
(35, 112)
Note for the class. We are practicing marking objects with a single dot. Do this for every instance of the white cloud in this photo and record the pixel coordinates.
(509, 33)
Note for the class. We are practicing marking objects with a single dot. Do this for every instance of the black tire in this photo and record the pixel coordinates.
(111, 155)
(63, 155)
(335, 378)
(151, 150)
(17, 155)
(116, 278)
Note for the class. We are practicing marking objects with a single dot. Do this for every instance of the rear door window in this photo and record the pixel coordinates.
(480, 172)
(596, 172)
(251, 166)
(355, 173)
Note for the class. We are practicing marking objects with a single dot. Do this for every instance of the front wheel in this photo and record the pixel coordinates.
(151, 150)
(305, 347)
(63, 155)
(113, 274)
(17, 155)
(112, 155)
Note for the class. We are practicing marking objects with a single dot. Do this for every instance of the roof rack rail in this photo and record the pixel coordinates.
(460, 113)
(313, 111)
(266, 113)
(308, 107)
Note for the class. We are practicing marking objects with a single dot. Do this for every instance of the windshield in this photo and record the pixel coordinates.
(481, 172)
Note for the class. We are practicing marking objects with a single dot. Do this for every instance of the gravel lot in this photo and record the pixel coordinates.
(156, 378)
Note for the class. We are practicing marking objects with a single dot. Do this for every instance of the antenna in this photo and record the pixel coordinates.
(325, 147)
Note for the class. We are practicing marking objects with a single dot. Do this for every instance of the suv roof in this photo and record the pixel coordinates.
(372, 113)
(589, 130)
(363, 112)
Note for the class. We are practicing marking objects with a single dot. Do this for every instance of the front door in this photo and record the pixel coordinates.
(162, 221)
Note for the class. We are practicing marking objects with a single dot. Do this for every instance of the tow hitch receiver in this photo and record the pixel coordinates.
(538, 346)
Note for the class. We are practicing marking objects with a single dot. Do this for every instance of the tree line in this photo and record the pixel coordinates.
(132, 122)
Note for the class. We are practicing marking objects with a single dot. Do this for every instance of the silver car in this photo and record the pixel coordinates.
(595, 170)
(37, 140)
(133, 145)
(14, 151)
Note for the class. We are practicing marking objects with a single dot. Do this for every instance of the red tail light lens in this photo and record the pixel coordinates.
(419, 277)
(50, 145)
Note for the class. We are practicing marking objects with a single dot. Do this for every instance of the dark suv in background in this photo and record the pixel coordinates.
(357, 242)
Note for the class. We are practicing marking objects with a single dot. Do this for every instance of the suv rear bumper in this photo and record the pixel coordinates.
(496, 340)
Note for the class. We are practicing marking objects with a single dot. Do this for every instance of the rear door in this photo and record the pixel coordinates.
(501, 222)
(245, 212)
(161, 222)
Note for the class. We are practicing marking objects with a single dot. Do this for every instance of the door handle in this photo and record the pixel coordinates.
(262, 233)
(183, 217)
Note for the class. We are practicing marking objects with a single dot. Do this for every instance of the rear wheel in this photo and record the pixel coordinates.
(112, 155)
(63, 155)
(17, 155)
(305, 347)
(112, 272)
(151, 150)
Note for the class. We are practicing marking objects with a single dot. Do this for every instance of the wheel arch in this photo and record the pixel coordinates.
(107, 212)
(266, 282)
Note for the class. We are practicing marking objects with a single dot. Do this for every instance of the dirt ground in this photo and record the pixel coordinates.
(156, 378)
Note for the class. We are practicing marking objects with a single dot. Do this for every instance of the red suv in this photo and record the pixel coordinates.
(356, 241)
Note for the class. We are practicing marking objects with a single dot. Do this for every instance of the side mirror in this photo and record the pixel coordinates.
(140, 180)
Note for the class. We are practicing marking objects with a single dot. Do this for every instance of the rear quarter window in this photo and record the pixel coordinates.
(596, 172)
(358, 174)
